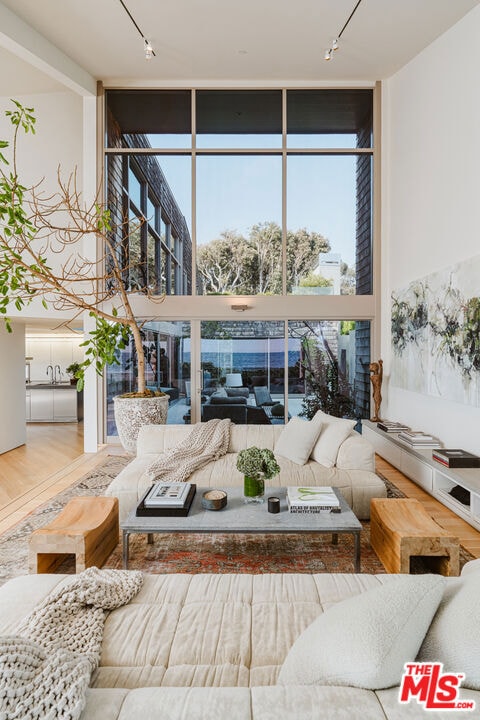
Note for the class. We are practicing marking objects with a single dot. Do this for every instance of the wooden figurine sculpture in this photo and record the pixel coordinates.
(376, 376)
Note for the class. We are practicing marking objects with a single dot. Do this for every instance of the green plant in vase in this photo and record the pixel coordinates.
(257, 465)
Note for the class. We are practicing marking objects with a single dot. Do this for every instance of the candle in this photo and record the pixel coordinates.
(273, 505)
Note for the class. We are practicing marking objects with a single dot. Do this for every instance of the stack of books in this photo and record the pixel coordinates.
(312, 500)
(391, 427)
(456, 458)
(167, 499)
(417, 439)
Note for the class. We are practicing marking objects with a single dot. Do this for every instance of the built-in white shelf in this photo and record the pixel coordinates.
(419, 466)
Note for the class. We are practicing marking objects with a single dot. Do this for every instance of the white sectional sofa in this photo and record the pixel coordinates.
(353, 472)
(210, 647)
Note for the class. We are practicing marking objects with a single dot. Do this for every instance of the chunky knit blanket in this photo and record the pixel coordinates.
(206, 442)
(45, 668)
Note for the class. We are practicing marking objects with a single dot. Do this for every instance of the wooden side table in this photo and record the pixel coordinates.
(87, 527)
(401, 528)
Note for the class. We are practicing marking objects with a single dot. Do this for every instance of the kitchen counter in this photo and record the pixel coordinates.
(50, 386)
(53, 402)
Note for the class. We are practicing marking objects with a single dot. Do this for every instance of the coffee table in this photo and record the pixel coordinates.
(239, 517)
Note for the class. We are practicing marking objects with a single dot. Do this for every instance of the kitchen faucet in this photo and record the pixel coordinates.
(50, 367)
(55, 379)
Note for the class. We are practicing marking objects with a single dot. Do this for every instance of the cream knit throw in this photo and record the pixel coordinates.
(206, 442)
(45, 669)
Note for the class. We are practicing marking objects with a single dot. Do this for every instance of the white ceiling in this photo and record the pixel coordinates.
(228, 42)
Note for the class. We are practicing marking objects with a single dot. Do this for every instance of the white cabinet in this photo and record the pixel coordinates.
(41, 401)
(65, 404)
(28, 409)
(52, 404)
(51, 350)
(420, 467)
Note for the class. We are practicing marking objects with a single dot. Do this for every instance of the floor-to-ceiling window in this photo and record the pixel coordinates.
(265, 194)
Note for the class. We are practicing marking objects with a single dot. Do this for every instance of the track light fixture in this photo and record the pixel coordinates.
(148, 49)
(335, 43)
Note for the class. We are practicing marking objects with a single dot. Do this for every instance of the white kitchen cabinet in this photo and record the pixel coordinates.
(41, 401)
(52, 404)
(65, 404)
(45, 351)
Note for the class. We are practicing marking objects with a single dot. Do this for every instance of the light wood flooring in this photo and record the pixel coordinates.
(50, 461)
(446, 518)
(53, 459)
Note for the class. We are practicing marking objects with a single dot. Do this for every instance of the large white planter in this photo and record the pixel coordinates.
(132, 413)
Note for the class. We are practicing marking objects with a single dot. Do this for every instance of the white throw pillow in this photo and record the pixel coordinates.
(365, 640)
(334, 432)
(297, 439)
(454, 635)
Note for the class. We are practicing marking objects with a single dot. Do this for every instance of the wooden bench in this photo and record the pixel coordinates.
(87, 528)
(401, 529)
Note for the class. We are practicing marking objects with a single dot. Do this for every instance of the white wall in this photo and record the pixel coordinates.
(12, 387)
(58, 142)
(431, 199)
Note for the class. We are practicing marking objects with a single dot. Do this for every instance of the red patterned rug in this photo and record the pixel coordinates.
(231, 553)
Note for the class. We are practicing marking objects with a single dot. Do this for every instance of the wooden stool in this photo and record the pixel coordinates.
(401, 528)
(87, 527)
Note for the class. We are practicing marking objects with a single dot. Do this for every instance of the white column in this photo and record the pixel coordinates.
(12, 387)
(92, 406)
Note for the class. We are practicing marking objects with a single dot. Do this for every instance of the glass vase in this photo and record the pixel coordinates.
(254, 488)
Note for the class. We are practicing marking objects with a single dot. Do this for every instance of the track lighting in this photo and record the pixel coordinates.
(147, 47)
(334, 46)
(148, 50)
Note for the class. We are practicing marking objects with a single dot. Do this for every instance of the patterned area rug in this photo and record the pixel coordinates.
(184, 553)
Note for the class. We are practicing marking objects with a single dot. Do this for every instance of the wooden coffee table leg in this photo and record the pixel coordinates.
(150, 538)
(334, 538)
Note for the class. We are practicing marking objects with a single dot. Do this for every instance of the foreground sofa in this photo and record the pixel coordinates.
(353, 472)
(210, 647)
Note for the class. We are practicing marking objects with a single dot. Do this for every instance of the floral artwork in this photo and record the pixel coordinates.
(436, 334)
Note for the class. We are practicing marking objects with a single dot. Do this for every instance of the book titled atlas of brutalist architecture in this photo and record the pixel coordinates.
(312, 500)
(456, 458)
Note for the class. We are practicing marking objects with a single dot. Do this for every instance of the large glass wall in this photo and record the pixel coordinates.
(166, 347)
(275, 174)
(265, 194)
(328, 367)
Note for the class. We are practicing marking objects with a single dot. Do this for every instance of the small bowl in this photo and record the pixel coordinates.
(214, 499)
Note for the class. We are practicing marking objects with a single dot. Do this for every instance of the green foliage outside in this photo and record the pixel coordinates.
(315, 280)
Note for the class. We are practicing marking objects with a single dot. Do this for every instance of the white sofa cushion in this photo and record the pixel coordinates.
(297, 439)
(454, 635)
(365, 641)
(334, 432)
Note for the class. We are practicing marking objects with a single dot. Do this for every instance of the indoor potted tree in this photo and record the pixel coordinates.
(36, 226)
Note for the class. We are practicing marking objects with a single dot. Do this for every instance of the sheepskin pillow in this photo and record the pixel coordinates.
(297, 439)
(334, 432)
(454, 635)
(365, 641)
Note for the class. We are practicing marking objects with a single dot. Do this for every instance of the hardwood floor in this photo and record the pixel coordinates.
(446, 518)
(50, 461)
(53, 459)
